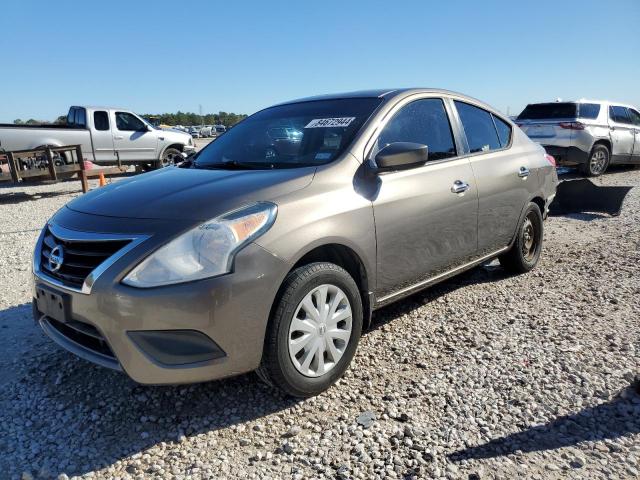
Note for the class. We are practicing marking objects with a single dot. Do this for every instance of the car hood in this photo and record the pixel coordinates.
(186, 193)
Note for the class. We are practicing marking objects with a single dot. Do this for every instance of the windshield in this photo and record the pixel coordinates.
(287, 136)
(148, 123)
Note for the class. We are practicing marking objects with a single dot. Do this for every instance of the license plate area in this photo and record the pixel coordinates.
(540, 131)
(53, 304)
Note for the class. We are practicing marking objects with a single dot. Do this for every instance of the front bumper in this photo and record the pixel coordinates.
(183, 333)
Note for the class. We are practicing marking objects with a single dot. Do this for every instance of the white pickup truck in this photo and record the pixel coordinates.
(107, 135)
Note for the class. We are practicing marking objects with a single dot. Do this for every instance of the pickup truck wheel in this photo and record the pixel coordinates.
(525, 252)
(314, 331)
(598, 161)
(171, 156)
(59, 158)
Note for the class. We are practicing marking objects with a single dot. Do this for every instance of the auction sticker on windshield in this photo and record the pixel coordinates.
(330, 122)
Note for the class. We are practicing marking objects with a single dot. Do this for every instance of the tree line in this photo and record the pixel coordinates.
(179, 118)
(189, 118)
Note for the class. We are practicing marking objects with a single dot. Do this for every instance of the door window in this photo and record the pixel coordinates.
(423, 121)
(101, 120)
(504, 131)
(128, 122)
(478, 127)
(635, 116)
(619, 114)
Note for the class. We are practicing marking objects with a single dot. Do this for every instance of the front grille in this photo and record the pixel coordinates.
(80, 257)
(83, 334)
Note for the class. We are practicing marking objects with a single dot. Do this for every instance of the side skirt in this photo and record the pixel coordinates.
(405, 292)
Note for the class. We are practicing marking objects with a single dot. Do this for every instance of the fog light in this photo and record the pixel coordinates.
(176, 347)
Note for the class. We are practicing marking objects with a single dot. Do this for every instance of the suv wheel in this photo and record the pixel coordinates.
(525, 252)
(598, 161)
(314, 332)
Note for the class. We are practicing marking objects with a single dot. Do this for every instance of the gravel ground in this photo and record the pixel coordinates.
(484, 376)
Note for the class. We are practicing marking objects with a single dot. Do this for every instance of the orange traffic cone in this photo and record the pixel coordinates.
(102, 182)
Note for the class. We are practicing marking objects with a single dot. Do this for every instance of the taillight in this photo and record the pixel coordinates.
(572, 125)
(550, 159)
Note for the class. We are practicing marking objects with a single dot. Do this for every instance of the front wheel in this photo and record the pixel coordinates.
(171, 156)
(314, 332)
(525, 252)
(598, 161)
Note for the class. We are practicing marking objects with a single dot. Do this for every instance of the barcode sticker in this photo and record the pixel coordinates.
(330, 122)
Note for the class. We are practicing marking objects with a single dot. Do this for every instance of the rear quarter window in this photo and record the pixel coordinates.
(589, 111)
(504, 131)
(101, 120)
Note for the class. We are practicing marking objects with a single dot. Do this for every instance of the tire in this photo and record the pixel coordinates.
(598, 161)
(284, 367)
(169, 157)
(525, 252)
(59, 158)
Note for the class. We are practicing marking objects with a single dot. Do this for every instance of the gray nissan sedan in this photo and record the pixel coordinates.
(270, 248)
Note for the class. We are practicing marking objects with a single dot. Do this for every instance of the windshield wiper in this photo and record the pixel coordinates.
(234, 165)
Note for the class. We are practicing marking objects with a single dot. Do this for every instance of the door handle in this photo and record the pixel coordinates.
(118, 137)
(523, 172)
(460, 187)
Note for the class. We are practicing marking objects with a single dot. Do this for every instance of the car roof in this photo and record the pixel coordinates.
(385, 93)
(587, 100)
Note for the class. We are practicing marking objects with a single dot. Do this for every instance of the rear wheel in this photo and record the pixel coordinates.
(59, 158)
(525, 252)
(598, 161)
(314, 332)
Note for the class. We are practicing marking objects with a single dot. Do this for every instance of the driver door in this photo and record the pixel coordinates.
(423, 227)
(132, 139)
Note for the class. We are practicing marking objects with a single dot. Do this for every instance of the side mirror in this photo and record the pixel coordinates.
(402, 155)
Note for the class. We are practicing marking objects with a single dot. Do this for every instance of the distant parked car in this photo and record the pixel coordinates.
(206, 131)
(589, 134)
(194, 132)
(218, 130)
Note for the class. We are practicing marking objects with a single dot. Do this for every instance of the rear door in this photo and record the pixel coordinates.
(132, 139)
(423, 227)
(635, 119)
(622, 134)
(102, 137)
(503, 176)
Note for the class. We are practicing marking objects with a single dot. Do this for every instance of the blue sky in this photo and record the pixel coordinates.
(240, 56)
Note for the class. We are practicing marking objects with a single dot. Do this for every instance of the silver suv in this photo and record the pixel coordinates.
(251, 257)
(589, 134)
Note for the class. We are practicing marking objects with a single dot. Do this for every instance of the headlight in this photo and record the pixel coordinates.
(205, 251)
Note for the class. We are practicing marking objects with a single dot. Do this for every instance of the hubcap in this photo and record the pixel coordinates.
(320, 330)
(528, 239)
(598, 161)
(169, 159)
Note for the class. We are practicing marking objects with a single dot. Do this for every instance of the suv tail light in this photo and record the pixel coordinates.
(572, 125)
(550, 159)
